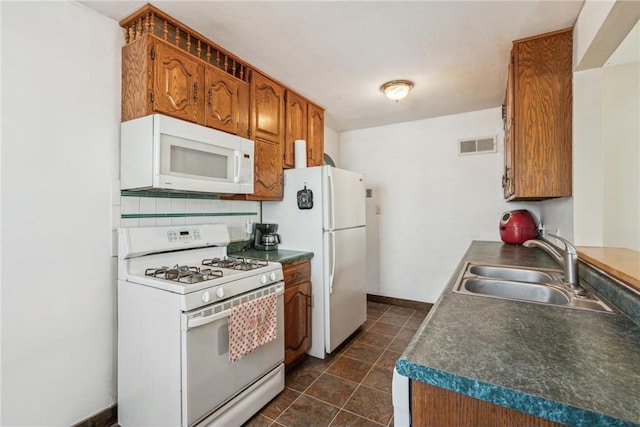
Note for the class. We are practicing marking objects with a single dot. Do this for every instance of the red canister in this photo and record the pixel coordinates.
(516, 227)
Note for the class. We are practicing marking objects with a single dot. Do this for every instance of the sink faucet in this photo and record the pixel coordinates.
(568, 258)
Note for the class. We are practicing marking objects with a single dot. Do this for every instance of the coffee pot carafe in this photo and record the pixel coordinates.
(266, 238)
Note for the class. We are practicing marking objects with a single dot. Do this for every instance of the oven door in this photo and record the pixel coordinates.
(209, 379)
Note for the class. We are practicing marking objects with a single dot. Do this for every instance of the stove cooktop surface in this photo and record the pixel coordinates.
(209, 269)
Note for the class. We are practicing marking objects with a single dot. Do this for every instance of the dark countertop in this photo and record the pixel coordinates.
(571, 366)
(280, 255)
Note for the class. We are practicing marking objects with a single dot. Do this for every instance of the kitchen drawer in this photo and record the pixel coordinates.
(296, 272)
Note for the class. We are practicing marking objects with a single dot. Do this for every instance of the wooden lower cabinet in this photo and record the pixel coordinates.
(297, 310)
(435, 406)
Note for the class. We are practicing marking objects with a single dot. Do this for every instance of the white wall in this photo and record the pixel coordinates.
(61, 80)
(331, 138)
(621, 133)
(605, 129)
(432, 202)
(588, 166)
(605, 118)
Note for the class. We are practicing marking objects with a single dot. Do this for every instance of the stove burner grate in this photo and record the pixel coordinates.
(184, 274)
(236, 263)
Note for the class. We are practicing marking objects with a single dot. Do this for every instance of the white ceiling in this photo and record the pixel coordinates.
(338, 53)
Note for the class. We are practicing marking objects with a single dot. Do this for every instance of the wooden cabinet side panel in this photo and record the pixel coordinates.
(315, 143)
(508, 177)
(244, 109)
(137, 74)
(543, 109)
(296, 126)
(435, 406)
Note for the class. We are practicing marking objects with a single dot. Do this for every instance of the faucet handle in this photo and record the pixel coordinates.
(568, 246)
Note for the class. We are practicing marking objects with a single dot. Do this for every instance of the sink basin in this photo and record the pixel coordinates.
(511, 273)
(517, 290)
(538, 286)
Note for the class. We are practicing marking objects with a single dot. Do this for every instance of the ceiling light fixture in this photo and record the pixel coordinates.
(396, 89)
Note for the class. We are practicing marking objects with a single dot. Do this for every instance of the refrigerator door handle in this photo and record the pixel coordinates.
(330, 206)
(332, 260)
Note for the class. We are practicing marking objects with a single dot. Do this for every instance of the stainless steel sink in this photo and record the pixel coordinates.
(538, 286)
(517, 290)
(513, 273)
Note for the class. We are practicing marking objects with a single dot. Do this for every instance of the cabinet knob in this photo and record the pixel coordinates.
(195, 91)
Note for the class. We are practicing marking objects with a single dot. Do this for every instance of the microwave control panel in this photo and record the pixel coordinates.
(246, 169)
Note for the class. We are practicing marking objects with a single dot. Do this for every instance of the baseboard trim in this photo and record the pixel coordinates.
(416, 305)
(105, 418)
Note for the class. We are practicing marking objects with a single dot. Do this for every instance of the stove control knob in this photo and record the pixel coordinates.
(272, 276)
(263, 279)
(219, 292)
(205, 296)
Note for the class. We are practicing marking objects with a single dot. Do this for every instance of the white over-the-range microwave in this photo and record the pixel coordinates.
(162, 153)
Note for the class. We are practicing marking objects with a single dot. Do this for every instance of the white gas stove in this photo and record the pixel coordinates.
(191, 261)
(176, 291)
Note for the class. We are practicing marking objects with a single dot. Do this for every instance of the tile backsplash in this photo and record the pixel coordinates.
(151, 209)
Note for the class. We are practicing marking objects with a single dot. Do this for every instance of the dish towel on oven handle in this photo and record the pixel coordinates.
(251, 325)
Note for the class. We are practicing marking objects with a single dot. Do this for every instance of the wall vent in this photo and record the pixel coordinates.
(482, 145)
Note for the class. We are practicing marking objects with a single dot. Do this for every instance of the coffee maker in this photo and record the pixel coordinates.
(266, 238)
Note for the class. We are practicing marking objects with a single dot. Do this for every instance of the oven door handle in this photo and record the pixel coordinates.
(194, 323)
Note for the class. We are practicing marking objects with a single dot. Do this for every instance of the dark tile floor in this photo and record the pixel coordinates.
(352, 386)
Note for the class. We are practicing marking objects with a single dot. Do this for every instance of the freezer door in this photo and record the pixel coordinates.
(344, 199)
(345, 294)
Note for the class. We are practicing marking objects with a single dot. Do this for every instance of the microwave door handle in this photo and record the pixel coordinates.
(236, 166)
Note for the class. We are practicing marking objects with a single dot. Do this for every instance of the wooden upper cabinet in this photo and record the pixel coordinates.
(267, 109)
(268, 174)
(296, 119)
(158, 77)
(538, 118)
(315, 138)
(221, 105)
(267, 118)
(178, 88)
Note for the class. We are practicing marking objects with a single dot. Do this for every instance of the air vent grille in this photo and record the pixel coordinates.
(481, 145)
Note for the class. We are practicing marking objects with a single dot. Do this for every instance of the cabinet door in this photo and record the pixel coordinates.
(268, 109)
(221, 107)
(296, 119)
(268, 171)
(297, 321)
(434, 406)
(177, 89)
(315, 139)
(541, 127)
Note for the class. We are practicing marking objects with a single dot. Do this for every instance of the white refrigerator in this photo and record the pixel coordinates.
(334, 230)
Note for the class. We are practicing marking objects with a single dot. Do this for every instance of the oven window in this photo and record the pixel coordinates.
(199, 163)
